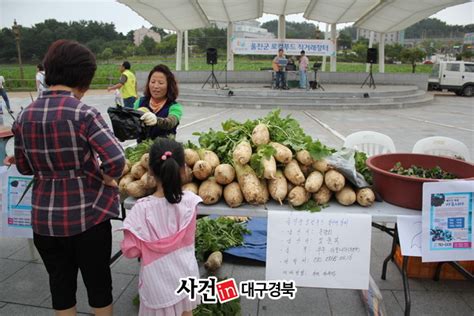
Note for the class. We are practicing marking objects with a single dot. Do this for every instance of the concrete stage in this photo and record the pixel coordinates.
(334, 96)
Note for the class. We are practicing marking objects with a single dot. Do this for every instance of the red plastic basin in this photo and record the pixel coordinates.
(407, 191)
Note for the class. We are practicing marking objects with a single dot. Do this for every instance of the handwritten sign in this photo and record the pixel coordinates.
(263, 46)
(447, 221)
(15, 219)
(409, 233)
(319, 250)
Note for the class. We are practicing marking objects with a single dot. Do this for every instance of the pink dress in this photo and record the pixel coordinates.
(162, 235)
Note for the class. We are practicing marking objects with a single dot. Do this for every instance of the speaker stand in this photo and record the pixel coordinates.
(213, 79)
(225, 86)
(370, 78)
(317, 81)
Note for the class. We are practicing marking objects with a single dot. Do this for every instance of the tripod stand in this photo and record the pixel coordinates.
(317, 81)
(370, 78)
(212, 77)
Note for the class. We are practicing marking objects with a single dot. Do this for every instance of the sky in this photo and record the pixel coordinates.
(30, 12)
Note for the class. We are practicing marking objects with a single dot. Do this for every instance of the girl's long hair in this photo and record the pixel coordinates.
(166, 162)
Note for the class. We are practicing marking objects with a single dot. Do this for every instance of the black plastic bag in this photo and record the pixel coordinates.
(126, 123)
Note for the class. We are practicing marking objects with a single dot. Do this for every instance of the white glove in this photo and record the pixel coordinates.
(149, 119)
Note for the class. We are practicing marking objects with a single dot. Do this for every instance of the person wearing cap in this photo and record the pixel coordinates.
(127, 85)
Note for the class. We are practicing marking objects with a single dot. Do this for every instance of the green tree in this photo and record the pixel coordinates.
(35, 40)
(345, 40)
(106, 54)
(96, 45)
(360, 48)
(435, 28)
(412, 55)
(393, 51)
(130, 50)
(130, 36)
(208, 37)
(167, 46)
(293, 29)
(467, 55)
(149, 45)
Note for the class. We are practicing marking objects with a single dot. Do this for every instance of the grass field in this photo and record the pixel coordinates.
(108, 73)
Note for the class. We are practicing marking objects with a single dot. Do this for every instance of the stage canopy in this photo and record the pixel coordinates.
(381, 16)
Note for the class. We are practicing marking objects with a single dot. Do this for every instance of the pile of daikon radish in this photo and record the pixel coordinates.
(257, 168)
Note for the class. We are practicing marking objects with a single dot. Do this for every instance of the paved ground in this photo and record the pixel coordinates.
(24, 283)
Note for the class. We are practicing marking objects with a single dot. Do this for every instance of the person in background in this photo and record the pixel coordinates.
(162, 112)
(4, 95)
(75, 160)
(40, 82)
(127, 85)
(160, 229)
(279, 70)
(303, 68)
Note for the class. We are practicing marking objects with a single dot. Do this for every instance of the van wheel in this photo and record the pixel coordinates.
(468, 91)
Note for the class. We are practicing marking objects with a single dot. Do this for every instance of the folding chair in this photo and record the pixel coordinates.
(371, 143)
(442, 146)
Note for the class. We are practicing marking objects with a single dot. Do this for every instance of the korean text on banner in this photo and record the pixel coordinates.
(256, 46)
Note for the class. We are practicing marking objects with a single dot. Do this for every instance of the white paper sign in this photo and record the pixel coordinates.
(265, 46)
(447, 221)
(409, 233)
(15, 215)
(319, 250)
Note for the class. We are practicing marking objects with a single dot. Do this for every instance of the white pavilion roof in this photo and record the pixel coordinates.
(376, 15)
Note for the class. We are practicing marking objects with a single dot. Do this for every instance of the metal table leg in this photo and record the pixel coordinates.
(392, 253)
(118, 254)
(406, 288)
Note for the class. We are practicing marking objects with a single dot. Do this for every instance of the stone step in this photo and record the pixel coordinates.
(238, 97)
(271, 104)
(268, 92)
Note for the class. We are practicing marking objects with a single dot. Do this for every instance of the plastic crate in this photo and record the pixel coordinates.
(418, 269)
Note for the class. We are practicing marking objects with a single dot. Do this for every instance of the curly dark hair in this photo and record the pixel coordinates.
(172, 93)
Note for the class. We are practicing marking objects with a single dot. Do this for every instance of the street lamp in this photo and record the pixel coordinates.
(16, 32)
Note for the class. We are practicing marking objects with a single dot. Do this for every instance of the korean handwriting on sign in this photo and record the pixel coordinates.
(312, 241)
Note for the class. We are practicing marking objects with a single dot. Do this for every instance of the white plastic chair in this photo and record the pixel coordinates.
(442, 146)
(371, 143)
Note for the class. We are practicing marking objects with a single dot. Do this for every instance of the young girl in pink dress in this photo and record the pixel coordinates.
(160, 230)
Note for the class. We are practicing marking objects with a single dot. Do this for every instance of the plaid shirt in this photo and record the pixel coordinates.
(57, 139)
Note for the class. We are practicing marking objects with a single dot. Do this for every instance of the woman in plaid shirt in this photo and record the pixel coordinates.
(60, 140)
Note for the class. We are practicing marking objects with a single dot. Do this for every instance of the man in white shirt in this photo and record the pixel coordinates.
(40, 83)
(4, 95)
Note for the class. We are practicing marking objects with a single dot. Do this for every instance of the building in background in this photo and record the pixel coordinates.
(390, 38)
(247, 29)
(139, 35)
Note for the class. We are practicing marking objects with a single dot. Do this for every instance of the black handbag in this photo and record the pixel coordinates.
(126, 123)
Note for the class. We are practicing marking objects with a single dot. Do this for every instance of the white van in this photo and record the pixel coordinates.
(455, 76)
